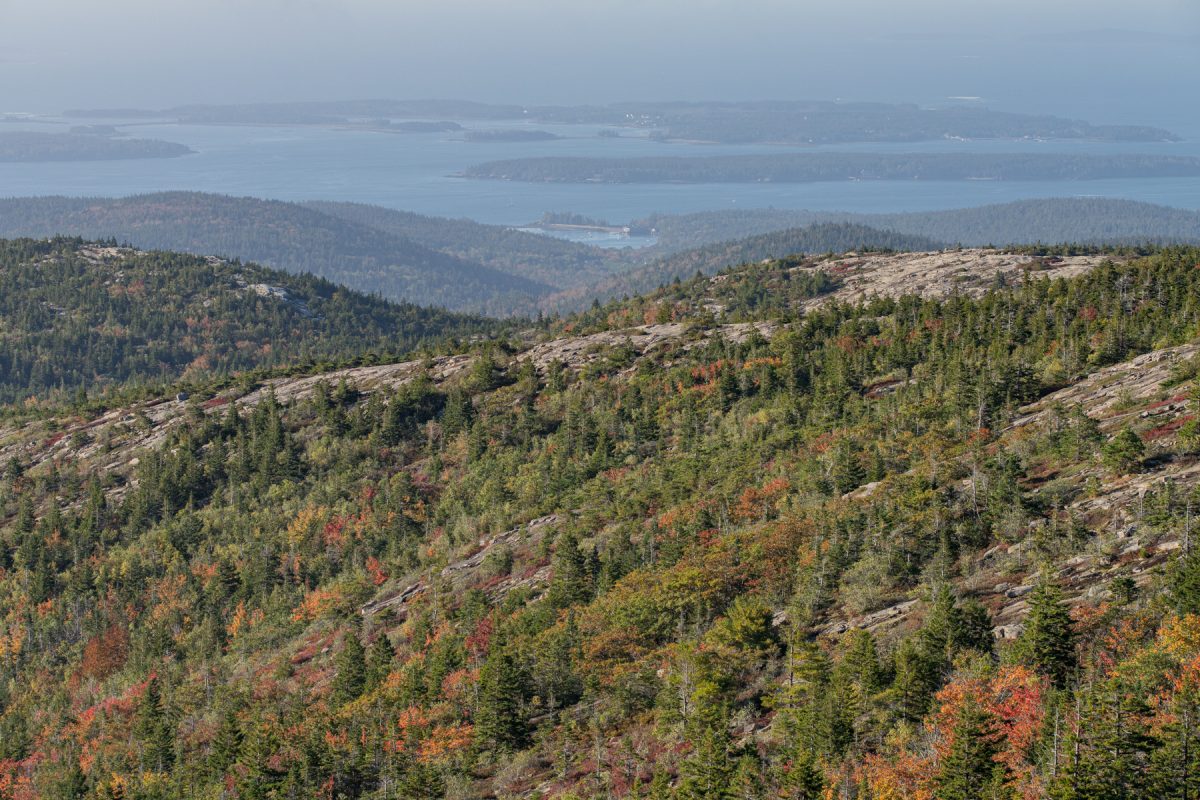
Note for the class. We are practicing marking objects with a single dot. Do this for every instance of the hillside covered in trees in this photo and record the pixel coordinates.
(85, 317)
(830, 237)
(770, 533)
(347, 247)
(1084, 220)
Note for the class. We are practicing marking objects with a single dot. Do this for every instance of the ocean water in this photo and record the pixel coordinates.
(416, 172)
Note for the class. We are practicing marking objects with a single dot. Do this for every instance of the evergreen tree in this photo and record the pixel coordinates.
(380, 661)
(227, 743)
(570, 582)
(351, 666)
(970, 770)
(1124, 452)
(802, 778)
(707, 772)
(500, 719)
(1048, 641)
(152, 726)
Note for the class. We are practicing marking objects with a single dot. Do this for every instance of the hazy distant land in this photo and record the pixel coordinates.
(808, 122)
(34, 146)
(813, 167)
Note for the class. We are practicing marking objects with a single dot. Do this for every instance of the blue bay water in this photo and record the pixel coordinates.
(415, 172)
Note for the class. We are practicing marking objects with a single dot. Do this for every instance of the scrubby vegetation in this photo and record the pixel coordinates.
(85, 318)
(774, 554)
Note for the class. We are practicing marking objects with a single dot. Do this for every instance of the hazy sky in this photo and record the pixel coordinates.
(1107, 60)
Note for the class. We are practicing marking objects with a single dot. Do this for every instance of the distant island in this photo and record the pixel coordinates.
(35, 146)
(503, 135)
(782, 122)
(814, 167)
(415, 126)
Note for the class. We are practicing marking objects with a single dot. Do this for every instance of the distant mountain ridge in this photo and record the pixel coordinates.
(283, 235)
(464, 265)
(1091, 220)
(75, 314)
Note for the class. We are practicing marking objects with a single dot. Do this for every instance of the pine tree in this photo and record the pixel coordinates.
(227, 743)
(152, 726)
(351, 666)
(500, 719)
(380, 660)
(707, 772)
(1124, 452)
(970, 770)
(570, 582)
(915, 682)
(1114, 746)
(1048, 641)
(802, 778)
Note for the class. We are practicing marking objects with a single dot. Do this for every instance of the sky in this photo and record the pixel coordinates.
(1103, 60)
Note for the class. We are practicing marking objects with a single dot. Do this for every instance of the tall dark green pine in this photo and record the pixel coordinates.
(1114, 746)
(351, 665)
(970, 770)
(570, 582)
(226, 744)
(1185, 580)
(380, 660)
(707, 773)
(152, 727)
(500, 719)
(802, 778)
(915, 681)
(1048, 641)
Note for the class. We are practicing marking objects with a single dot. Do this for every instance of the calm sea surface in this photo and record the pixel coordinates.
(415, 172)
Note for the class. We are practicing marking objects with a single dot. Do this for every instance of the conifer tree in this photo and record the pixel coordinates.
(1124, 452)
(351, 666)
(380, 660)
(500, 719)
(1048, 641)
(970, 770)
(152, 726)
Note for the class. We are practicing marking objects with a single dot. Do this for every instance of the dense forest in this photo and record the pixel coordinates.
(76, 317)
(814, 167)
(40, 146)
(813, 122)
(465, 265)
(389, 262)
(715, 542)
(1086, 220)
(555, 262)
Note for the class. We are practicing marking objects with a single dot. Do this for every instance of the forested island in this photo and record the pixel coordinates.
(31, 146)
(814, 167)
(790, 122)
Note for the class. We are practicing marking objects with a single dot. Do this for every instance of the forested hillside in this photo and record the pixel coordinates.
(1084, 220)
(551, 261)
(829, 237)
(758, 535)
(286, 236)
(85, 317)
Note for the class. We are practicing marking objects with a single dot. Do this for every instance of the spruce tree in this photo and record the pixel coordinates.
(500, 719)
(380, 660)
(970, 770)
(1048, 642)
(227, 743)
(351, 665)
(152, 726)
